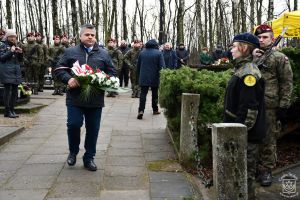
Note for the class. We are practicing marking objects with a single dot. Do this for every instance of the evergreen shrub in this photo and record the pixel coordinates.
(211, 87)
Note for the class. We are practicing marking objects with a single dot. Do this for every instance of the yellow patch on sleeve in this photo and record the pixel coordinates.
(250, 80)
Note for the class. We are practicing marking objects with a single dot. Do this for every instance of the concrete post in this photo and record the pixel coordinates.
(188, 126)
(229, 142)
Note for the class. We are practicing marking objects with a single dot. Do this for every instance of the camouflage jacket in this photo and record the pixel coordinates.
(278, 77)
(131, 57)
(45, 49)
(116, 56)
(33, 53)
(55, 52)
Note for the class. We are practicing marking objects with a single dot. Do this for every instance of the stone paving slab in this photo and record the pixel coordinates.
(74, 189)
(23, 194)
(125, 195)
(30, 182)
(7, 132)
(169, 185)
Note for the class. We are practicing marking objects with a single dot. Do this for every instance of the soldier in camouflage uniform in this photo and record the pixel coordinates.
(278, 77)
(45, 60)
(33, 55)
(244, 101)
(131, 58)
(117, 58)
(55, 52)
(64, 39)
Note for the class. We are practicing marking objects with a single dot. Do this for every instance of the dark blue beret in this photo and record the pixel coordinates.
(247, 38)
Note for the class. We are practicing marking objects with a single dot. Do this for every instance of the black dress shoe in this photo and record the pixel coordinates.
(140, 115)
(90, 165)
(71, 159)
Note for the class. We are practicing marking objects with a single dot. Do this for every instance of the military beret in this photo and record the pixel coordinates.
(181, 44)
(111, 40)
(247, 38)
(136, 41)
(37, 34)
(64, 36)
(56, 36)
(264, 28)
(30, 34)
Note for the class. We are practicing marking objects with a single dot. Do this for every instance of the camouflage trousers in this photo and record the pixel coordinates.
(41, 73)
(31, 73)
(268, 156)
(136, 90)
(252, 160)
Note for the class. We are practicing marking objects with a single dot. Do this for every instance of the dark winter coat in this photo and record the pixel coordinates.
(170, 59)
(10, 71)
(244, 100)
(150, 62)
(98, 58)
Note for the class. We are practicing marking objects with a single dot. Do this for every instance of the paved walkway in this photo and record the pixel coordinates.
(32, 164)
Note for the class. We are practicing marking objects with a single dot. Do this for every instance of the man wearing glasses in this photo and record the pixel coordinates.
(278, 77)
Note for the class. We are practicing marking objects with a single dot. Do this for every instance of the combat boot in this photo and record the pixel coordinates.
(266, 178)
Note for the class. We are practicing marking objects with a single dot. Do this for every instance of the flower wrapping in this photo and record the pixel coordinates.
(94, 81)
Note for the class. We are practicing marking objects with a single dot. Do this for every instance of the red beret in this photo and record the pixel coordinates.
(56, 36)
(30, 34)
(64, 36)
(111, 40)
(136, 41)
(37, 34)
(264, 28)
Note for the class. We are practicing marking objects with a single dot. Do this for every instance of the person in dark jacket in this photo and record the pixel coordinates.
(183, 55)
(150, 62)
(205, 58)
(87, 52)
(218, 53)
(10, 71)
(244, 100)
(170, 57)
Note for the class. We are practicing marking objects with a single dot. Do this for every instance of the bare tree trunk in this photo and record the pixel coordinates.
(169, 22)
(62, 18)
(161, 37)
(46, 24)
(8, 14)
(112, 19)
(74, 18)
(19, 20)
(234, 17)
(271, 10)
(296, 4)
(97, 19)
(205, 24)
(16, 16)
(30, 14)
(116, 24)
(125, 31)
(243, 15)
(141, 15)
(201, 42)
(56, 30)
(252, 23)
(67, 18)
(180, 16)
(217, 23)
(80, 12)
(1, 14)
(105, 19)
(210, 22)
(259, 11)
(133, 25)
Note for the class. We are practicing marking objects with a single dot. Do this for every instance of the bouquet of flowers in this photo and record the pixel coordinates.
(25, 90)
(92, 82)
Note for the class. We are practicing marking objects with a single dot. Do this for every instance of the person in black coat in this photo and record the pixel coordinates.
(183, 55)
(87, 52)
(244, 100)
(150, 62)
(170, 57)
(10, 71)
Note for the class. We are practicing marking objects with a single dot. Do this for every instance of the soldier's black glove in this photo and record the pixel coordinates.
(280, 113)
